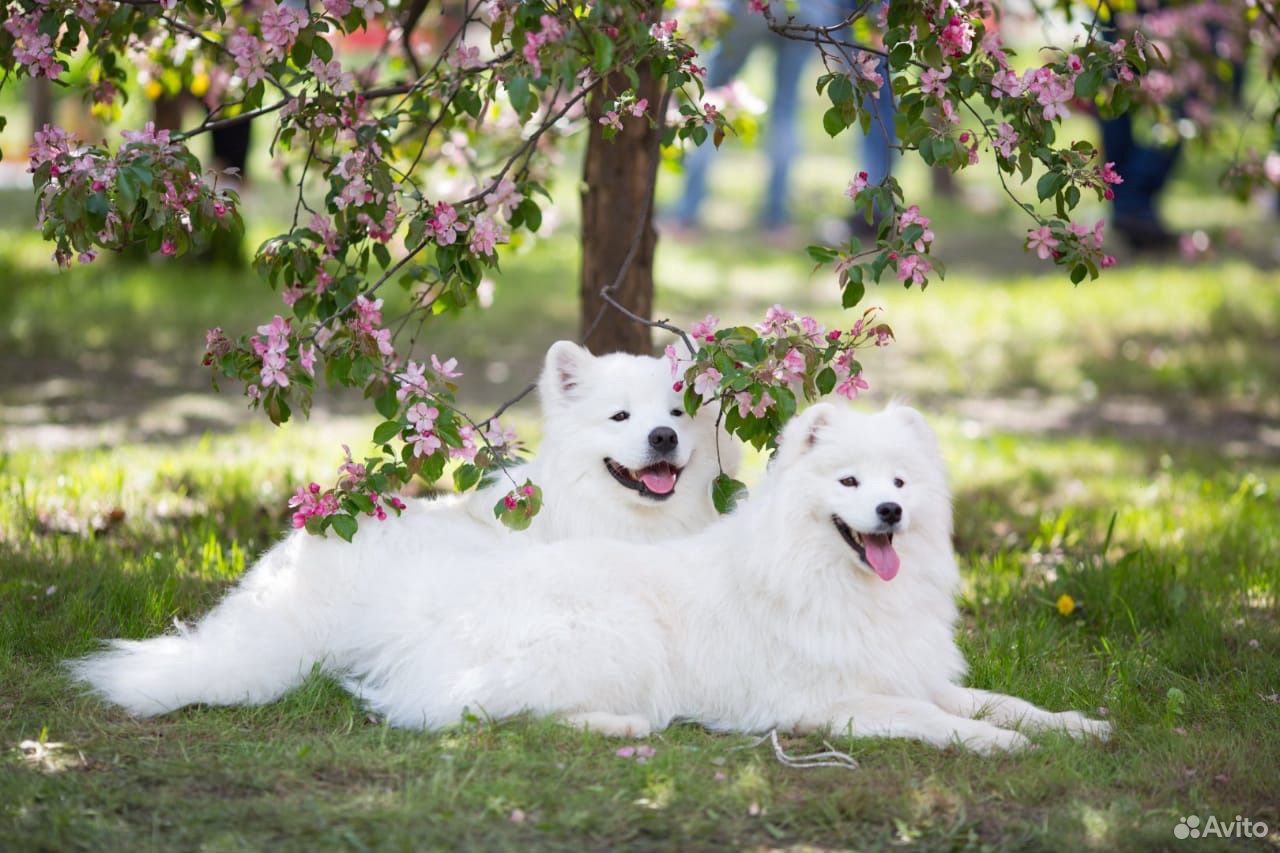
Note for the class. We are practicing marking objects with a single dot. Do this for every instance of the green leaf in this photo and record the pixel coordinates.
(1049, 183)
(518, 92)
(833, 121)
(387, 404)
(466, 476)
(854, 290)
(726, 492)
(386, 431)
(1078, 272)
(344, 525)
(826, 380)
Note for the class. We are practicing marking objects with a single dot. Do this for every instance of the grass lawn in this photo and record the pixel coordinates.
(1166, 537)
(1116, 443)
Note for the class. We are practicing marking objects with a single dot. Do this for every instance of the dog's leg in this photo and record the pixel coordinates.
(1011, 711)
(612, 725)
(898, 716)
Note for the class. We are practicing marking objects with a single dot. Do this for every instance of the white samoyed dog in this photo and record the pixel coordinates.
(825, 602)
(619, 458)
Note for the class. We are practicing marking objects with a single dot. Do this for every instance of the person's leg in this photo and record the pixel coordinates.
(783, 143)
(877, 146)
(735, 47)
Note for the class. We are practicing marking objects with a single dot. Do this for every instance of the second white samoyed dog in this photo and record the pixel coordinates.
(824, 602)
(619, 458)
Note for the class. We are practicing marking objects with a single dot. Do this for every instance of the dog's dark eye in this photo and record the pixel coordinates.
(675, 413)
(899, 482)
(620, 416)
(851, 482)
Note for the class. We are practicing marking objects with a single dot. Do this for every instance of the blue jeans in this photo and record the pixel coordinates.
(747, 32)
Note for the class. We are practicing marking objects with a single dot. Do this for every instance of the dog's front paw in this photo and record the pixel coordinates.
(992, 739)
(1078, 725)
(611, 725)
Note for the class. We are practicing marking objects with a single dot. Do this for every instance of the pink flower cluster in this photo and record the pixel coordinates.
(310, 503)
(273, 351)
(552, 31)
(31, 47)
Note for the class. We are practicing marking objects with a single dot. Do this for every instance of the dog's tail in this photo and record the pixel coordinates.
(250, 649)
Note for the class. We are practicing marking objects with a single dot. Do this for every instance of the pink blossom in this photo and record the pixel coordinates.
(811, 328)
(912, 216)
(663, 30)
(638, 108)
(504, 198)
(1109, 175)
(857, 185)
(791, 368)
(370, 8)
(465, 57)
(280, 27)
(368, 313)
(672, 358)
(867, 66)
(1006, 140)
(338, 8)
(705, 328)
(447, 370)
(611, 119)
(308, 502)
(956, 38)
(758, 7)
(913, 269)
(775, 320)
(307, 359)
(851, 386)
(500, 435)
(412, 381)
(1042, 240)
(485, 233)
(425, 444)
(1006, 83)
(933, 81)
(382, 338)
(249, 54)
(423, 417)
(707, 383)
(168, 248)
(445, 223)
(745, 406)
(468, 449)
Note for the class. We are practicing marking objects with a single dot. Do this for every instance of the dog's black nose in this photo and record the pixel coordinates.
(663, 439)
(889, 512)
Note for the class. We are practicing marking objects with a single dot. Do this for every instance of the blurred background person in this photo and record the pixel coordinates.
(745, 33)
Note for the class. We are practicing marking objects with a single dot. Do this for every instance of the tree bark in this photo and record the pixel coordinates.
(617, 205)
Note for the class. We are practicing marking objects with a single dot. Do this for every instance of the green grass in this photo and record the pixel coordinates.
(1170, 596)
(1114, 442)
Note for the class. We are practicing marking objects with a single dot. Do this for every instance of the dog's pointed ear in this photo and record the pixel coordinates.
(806, 429)
(563, 372)
(915, 424)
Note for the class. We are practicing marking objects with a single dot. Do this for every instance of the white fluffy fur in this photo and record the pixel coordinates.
(766, 619)
(304, 599)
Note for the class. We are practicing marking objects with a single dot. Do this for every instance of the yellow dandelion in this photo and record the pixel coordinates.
(1066, 604)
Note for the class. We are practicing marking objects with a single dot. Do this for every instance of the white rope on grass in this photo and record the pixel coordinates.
(831, 757)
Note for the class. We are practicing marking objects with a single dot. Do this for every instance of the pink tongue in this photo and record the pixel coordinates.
(880, 555)
(659, 480)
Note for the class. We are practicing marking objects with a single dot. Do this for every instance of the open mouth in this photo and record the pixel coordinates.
(657, 481)
(874, 549)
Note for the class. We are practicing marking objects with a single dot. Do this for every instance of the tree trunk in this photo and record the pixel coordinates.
(617, 203)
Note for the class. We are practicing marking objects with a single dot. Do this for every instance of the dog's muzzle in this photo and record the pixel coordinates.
(656, 482)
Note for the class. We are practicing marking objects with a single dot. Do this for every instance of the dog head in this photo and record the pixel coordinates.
(618, 424)
(866, 485)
